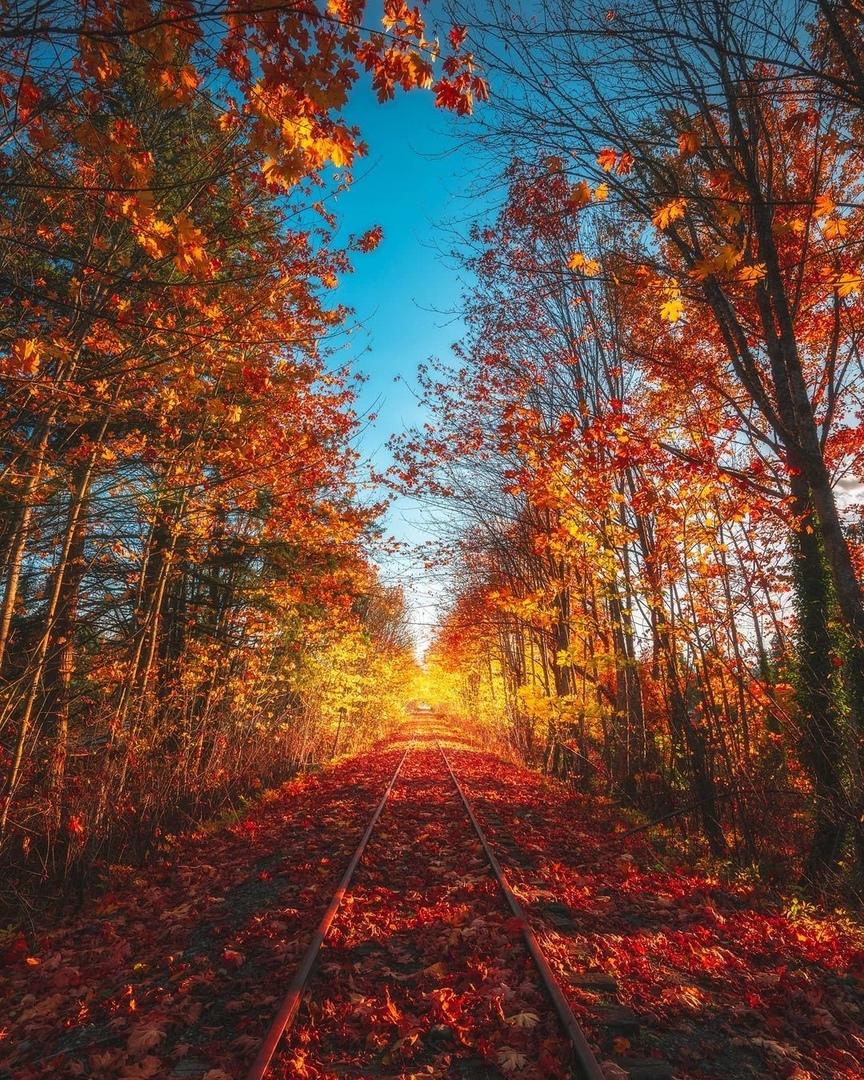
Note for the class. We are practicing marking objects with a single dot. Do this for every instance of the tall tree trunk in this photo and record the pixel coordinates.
(77, 503)
(822, 740)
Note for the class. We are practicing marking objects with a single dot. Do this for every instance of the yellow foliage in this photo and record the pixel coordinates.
(578, 261)
(846, 284)
(669, 212)
(672, 310)
(752, 273)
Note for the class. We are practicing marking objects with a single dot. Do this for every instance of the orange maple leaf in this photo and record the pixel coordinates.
(823, 206)
(26, 355)
(688, 143)
(668, 213)
(607, 159)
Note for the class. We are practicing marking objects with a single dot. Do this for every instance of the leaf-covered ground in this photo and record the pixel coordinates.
(177, 971)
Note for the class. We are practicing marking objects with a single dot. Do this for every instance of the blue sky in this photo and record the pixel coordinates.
(405, 296)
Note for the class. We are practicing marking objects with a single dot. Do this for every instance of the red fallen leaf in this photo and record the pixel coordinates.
(66, 977)
(233, 957)
(75, 826)
(15, 952)
(144, 1037)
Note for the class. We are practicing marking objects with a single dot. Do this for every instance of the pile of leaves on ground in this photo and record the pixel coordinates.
(727, 979)
(166, 973)
(177, 970)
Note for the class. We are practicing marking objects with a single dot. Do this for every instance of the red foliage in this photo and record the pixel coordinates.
(189, 958)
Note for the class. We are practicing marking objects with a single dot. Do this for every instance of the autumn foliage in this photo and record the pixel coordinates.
(186, 606)
(644, 433)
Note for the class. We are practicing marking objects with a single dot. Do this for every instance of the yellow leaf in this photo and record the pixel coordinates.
(578, 261)
(285, 172)
(731, 214)
(672, 310)
(340, 155)
(702, 270)
(601, 192)
(847, 284)
(753, 273)
(727, 257)
(796, 225)
(823, 206)
(155, 238)
(191, 255)
(835, 228)
(668, 213)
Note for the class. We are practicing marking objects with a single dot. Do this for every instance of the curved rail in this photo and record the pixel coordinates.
(291, 1002)
(585, 1059)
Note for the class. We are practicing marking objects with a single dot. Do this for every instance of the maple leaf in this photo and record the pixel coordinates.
(601, 192)
(27, 355)
(702, 270)
(191, 255)
(730, 214)
(823, 206)
(457, 36)
(607, 159)
(580, 195)
(625, 164)
(511, 1059)
(524, 1019)
(795, 225)
(144, 1037)
(672, 310)
(846, 284)
(155, 237)
(668, 213)
(752, 273)
(578, 261)
(689, 143)
(727, 257)
(835, 228)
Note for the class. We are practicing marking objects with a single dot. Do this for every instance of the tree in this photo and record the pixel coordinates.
(732, 146)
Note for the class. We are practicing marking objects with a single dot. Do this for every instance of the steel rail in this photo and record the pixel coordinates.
(291, 1002)
(585, 1059)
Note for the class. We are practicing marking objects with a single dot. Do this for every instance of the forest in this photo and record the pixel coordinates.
(607, 820)
(645, 449)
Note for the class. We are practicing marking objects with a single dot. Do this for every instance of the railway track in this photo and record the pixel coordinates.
(432, 937)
